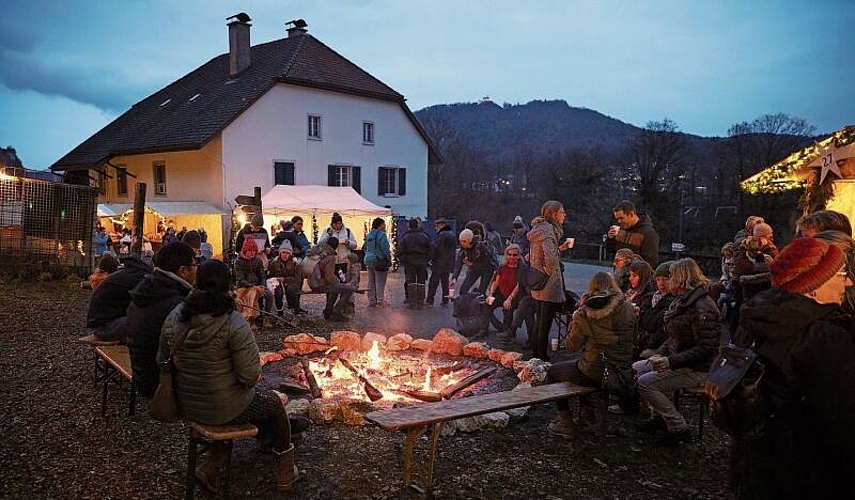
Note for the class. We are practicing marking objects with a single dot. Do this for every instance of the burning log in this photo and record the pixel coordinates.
(463, 384)
(426, 396)
(444, 370)
(310, 378)
(373, 393)
(290, 385)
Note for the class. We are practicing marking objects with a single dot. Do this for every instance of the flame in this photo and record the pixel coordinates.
(426, 386)
(374, 356)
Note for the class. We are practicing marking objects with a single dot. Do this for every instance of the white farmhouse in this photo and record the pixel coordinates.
(291, 111)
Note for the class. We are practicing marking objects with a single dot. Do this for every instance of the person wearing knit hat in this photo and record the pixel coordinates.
(663, 270)
(345, 237)
(255, 230)
(807, 352)
(287, 271)
(762, 230)
(806, 265)
(250, 275)
(651, 315)
(519, 236)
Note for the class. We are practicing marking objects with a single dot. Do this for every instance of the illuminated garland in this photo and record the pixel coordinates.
(779, 177)
(393, 240)
(314, 230)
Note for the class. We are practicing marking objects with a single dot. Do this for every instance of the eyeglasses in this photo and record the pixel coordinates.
(512, 254)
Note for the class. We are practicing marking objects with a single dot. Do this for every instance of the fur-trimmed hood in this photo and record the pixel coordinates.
(600, 306)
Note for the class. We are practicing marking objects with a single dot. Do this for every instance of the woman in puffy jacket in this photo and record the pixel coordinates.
(602, 328)
(682, 361)
(216, 369)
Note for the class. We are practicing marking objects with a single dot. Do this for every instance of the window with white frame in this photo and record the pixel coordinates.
(159, 174)
(391, 181)
(344, 176)
(367, 133)
(314, 127)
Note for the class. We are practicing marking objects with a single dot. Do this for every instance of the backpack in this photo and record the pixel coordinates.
(734, 386)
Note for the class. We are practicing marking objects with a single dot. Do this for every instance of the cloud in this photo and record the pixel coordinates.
(86, 83)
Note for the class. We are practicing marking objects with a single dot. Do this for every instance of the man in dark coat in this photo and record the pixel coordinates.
(254, 229)
(109, 304)
(443, 251)
(635, 232)
(415, 255)
(151, 302)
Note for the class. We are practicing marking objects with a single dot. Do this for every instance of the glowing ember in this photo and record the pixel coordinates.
(393, 375)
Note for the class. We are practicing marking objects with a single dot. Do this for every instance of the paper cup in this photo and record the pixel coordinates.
(490, 300)
(571, 242)
(554, 344)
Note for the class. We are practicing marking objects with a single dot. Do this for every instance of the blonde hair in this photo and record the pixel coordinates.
(686, 275)
(549, 209)
(603, 282)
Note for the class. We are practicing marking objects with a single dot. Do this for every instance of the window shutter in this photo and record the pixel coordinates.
(381, 177)
(289, 174)
(357, 178)
(402, 181)
(330, 175)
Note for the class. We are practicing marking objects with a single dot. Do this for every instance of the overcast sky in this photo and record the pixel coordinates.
(67, 68)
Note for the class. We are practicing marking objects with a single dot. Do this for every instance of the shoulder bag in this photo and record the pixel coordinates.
(164, 405)
(382, 263)
(533, 279)
(617, 380)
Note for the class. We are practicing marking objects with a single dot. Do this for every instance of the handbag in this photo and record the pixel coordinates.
(617, 380)
(738, 404)
(164, 404)
(381, 263)
(534, 279)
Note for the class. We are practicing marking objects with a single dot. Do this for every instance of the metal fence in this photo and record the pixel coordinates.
(45, 226)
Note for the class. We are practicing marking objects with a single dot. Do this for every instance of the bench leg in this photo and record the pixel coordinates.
(190, 488)
(132, 399)
(228, 479)
(108, 374)
(409, 444)
(702, 403)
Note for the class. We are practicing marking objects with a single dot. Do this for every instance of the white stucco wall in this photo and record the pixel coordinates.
(275, 129)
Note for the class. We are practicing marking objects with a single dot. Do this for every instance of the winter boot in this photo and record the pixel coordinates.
(208, 472)
(563, 425)
(286, 470)
(593, 415)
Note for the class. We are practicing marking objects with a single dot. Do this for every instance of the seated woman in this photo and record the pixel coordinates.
(290, 277)
(216, 369)
(504, 291)
(641, 286)
(602, 326)
(807, 345)
(620, 270)
(692, 325)
(251, 280)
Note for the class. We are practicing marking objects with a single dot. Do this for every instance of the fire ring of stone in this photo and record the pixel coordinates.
(347, 376)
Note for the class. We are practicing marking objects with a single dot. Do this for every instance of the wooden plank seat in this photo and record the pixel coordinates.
(117, 361)
(93, 341)
(202, 434)
(416, 420)
(700, 396)
(312, 292)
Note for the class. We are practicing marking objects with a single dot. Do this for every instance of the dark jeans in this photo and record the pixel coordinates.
(568, 371)
(540, 338)
(415, 275)
(267, 412)
(472, 275)
(507, 314)
(338, 295)
(437, 279)
(290, 291)
(524, 312)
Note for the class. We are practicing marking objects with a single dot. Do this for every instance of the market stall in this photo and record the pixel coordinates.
(162, 214)
(825, 170)
(316, 204)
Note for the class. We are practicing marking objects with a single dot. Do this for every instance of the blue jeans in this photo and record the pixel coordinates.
(376, 284)
(656, 389)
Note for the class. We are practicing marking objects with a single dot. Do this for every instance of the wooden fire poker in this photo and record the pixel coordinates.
(373, 393)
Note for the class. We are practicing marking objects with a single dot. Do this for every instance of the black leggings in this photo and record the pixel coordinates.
(267, 412)
(540, 340)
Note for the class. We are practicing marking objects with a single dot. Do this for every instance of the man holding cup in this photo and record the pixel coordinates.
(633, 231)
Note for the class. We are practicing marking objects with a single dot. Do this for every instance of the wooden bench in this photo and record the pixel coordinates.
(117, 361)
(93, 341)
(415, 420)
(201, 434)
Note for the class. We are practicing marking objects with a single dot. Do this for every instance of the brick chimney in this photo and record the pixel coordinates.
(239, 58)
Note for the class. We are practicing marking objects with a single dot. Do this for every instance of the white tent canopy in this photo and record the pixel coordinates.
(319, 200)
(164, 208)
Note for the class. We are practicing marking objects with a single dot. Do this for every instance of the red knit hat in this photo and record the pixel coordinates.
(805, 264)
(249, 244)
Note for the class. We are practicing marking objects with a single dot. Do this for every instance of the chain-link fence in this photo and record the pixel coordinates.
(45, 227)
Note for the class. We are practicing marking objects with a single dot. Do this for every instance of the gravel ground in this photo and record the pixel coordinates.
(55, 444)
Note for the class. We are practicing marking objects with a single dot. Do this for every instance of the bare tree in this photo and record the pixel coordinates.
(656, 160)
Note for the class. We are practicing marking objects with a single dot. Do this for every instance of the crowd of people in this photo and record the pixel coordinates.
(642, 331)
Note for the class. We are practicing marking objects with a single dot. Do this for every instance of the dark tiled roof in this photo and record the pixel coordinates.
(151, 126)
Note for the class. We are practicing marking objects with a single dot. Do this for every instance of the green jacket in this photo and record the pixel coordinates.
(217, 367)
(607, 329)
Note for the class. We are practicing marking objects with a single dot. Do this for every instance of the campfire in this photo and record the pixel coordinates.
(376, 375)
(341, 378)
